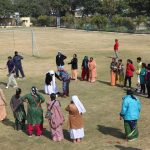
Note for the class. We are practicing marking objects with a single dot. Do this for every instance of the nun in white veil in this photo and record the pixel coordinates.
(76, 126)
(50, 83)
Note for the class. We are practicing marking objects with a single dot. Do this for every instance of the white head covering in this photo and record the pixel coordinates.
(78, 104)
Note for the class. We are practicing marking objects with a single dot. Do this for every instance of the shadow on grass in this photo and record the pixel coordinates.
(42, 91)
(3, 83)
(48, 135)
(126, 148)
(111, 131)
(104, 82)
(66, 135)
(8, 122)
(135, 93)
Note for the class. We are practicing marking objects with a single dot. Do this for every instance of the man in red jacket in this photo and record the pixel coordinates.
(116, 48)
(129, 73)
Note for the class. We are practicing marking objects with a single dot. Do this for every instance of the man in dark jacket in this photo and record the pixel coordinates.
(60, 60)
(18, 65)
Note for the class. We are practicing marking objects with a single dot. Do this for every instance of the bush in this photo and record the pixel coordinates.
(53, 21)
(127, 22)
(100, 21)
(43, 21)
(34, 21)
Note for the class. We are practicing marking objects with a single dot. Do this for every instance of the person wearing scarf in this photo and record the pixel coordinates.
(92, 70)
(130, 113)
(50, 84)
(76, 109)
(18, 110)
(56, 118)
(34, 111)
(113, 71)
(85, 69)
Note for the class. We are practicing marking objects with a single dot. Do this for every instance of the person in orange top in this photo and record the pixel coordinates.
(2, 106)
(92, 70)
(116, 48)
(76, 109)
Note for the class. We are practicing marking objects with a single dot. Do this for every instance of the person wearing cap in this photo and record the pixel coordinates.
(18, 110)
(18, 65)
(11, 72)
(55, 118)
(60, 60)
(50, 84)
(3, 104)
(148, 80)
(34, 112)
(76, 109)
(130, 113)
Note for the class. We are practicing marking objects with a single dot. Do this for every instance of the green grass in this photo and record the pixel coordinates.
(103, 129)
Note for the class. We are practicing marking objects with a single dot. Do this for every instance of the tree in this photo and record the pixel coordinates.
(6, 8)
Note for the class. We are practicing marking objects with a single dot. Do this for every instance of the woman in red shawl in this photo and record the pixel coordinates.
(92, 70)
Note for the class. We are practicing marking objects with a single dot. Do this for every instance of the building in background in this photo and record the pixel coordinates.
(25, 21)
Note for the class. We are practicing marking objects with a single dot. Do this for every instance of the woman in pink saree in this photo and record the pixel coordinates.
(92, 70)
(55, 118)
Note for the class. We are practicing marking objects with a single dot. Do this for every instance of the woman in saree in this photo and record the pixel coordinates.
(130, 113)
(92, 70)
(55, 118)
(113, 71)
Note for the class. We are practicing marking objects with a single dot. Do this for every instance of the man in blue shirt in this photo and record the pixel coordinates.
(18, 65)
(130, 113)
(11, 70)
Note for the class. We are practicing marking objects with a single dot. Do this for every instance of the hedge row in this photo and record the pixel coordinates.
(115, 23)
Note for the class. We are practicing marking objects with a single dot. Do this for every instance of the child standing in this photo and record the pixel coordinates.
(116, 48)
(142, 78)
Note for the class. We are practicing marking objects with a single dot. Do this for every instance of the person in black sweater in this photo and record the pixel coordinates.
(60, 60)
(74, 67)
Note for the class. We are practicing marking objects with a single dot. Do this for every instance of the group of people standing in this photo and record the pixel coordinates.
(35, 117)
(88, 67)
(124, 75)
(88, 73)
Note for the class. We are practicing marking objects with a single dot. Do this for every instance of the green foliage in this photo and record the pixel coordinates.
(44, 20)
(100, 21)
(123, 21)
(52, 21)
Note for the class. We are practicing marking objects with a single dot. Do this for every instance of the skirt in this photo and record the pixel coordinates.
(76, 133)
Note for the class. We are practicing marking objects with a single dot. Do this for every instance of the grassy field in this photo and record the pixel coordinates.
(103, 129)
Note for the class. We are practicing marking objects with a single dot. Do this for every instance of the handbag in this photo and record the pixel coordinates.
(49, 114)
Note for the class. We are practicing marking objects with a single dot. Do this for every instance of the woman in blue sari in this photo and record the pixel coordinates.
(130, 113)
